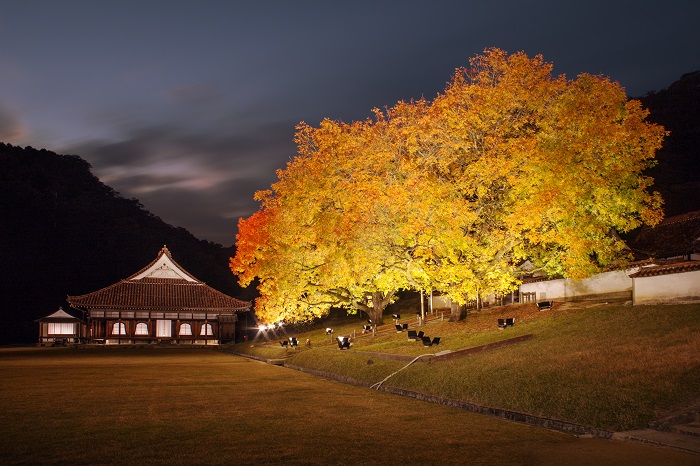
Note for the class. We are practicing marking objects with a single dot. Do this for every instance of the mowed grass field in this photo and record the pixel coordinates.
(160, 406)
(611, 366)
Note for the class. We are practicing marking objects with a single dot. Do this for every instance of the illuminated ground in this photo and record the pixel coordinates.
(154, 406)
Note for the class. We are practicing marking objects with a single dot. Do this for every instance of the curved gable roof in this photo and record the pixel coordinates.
(59, 316)
(163, 267)
(162, 284)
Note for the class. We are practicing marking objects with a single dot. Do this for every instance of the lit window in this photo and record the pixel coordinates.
(56, 328)
(206, 330)
(185, 329)
(141, 328)
(119, 328)
(163, 328)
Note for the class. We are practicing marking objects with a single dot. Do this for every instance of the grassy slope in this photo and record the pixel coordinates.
(614, 367)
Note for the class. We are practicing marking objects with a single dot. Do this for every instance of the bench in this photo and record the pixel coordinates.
(401, 327)
(412, 335)
(293, 342)
(428, 342)
(503, 323)
(543, 305)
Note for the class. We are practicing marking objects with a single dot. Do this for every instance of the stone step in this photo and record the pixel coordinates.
(691, 428)
(688, 416)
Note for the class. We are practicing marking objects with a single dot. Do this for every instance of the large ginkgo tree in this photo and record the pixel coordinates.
(509, 163)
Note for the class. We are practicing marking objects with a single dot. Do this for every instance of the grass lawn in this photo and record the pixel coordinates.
(159, 406)
(614, 367)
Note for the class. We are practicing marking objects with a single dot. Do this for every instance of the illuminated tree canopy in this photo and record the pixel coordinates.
(509, 163)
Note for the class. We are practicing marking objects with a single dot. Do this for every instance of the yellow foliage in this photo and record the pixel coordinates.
(509, 163)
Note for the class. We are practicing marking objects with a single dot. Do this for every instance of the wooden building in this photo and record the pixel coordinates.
(161, 303)
(60, 329)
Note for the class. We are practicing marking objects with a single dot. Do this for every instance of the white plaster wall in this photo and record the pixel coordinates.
(671, 288)
(441, 302)
(550, 289)
(617, 281)
(444, 301)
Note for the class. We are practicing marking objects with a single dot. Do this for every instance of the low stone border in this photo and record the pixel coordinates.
(389, 356)
(479, 349)
(451, 354)
(547, 423)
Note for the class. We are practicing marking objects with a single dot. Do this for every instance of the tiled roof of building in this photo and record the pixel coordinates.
(539, 278)
(666, 269)
(59, 316)
(675, 236)
(162, 284)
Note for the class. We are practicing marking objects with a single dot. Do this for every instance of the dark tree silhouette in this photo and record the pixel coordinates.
(62, 231)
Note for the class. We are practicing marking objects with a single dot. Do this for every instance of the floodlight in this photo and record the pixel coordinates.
(329, 331)
(396, 316)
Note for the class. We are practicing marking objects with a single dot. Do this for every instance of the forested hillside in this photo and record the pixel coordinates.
(62, 231)
(677, 174)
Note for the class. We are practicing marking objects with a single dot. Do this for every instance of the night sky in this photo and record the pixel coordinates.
(191, 106)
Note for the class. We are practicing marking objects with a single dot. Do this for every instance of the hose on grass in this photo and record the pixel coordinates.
(379, 384)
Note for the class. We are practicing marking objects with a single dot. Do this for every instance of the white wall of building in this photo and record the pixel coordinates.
(615, 283)
(672, 288)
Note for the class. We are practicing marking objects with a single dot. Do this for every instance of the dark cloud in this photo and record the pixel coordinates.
(200, 181)
(194, 108)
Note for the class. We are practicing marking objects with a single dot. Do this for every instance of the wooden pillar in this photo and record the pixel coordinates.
(422, 308)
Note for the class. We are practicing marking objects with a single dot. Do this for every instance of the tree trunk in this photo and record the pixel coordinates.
(379, 303)
(376, 316)
(457, 312)
(377, 312)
